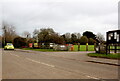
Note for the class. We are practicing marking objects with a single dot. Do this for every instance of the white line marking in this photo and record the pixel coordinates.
(47, 64)
(54, 66)
(92, 77)
(15, 55)
(40, 62)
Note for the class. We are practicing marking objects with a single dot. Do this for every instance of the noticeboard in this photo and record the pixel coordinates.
(113, 37)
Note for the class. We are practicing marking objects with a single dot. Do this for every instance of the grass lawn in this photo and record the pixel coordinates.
(83, 47)
(113, 47)
(110, 56)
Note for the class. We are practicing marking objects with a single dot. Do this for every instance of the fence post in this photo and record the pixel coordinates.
(95, 46)
(78, 46)
(115, 48)
(86, 46)
(109, 49)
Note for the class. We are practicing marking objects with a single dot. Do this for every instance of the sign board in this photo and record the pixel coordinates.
(36, 45)
(30, 45)
(113, 36)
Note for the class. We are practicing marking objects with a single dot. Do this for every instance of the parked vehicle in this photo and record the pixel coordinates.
(60, 48)
(9, 46)
(51, 45)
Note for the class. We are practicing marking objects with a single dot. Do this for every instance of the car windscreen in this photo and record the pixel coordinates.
(9, 44)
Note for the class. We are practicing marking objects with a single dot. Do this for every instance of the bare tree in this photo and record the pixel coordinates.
(26, 34)
(67, 35)
(100, 37)
(35, 34)
(8, 33)
(78, 35)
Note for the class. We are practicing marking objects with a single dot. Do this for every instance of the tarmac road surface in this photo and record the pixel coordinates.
(53, 65)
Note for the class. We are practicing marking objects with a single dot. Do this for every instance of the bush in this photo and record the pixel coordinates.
(19, 42)
(91, 41)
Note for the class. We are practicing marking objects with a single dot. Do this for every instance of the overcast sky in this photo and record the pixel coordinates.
(61, 15)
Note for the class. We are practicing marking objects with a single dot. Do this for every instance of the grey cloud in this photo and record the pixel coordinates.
(63, 16)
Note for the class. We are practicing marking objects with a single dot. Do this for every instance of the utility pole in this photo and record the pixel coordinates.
(4, 28)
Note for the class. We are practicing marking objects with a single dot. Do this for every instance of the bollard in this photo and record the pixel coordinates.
(72, 47)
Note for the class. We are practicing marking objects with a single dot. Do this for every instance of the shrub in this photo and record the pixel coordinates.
(83, 40)
(91, 41)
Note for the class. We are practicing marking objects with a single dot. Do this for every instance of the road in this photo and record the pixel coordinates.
(53, 65)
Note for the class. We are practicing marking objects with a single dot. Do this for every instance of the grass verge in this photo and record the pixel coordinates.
(44, 50)
(109, 56)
